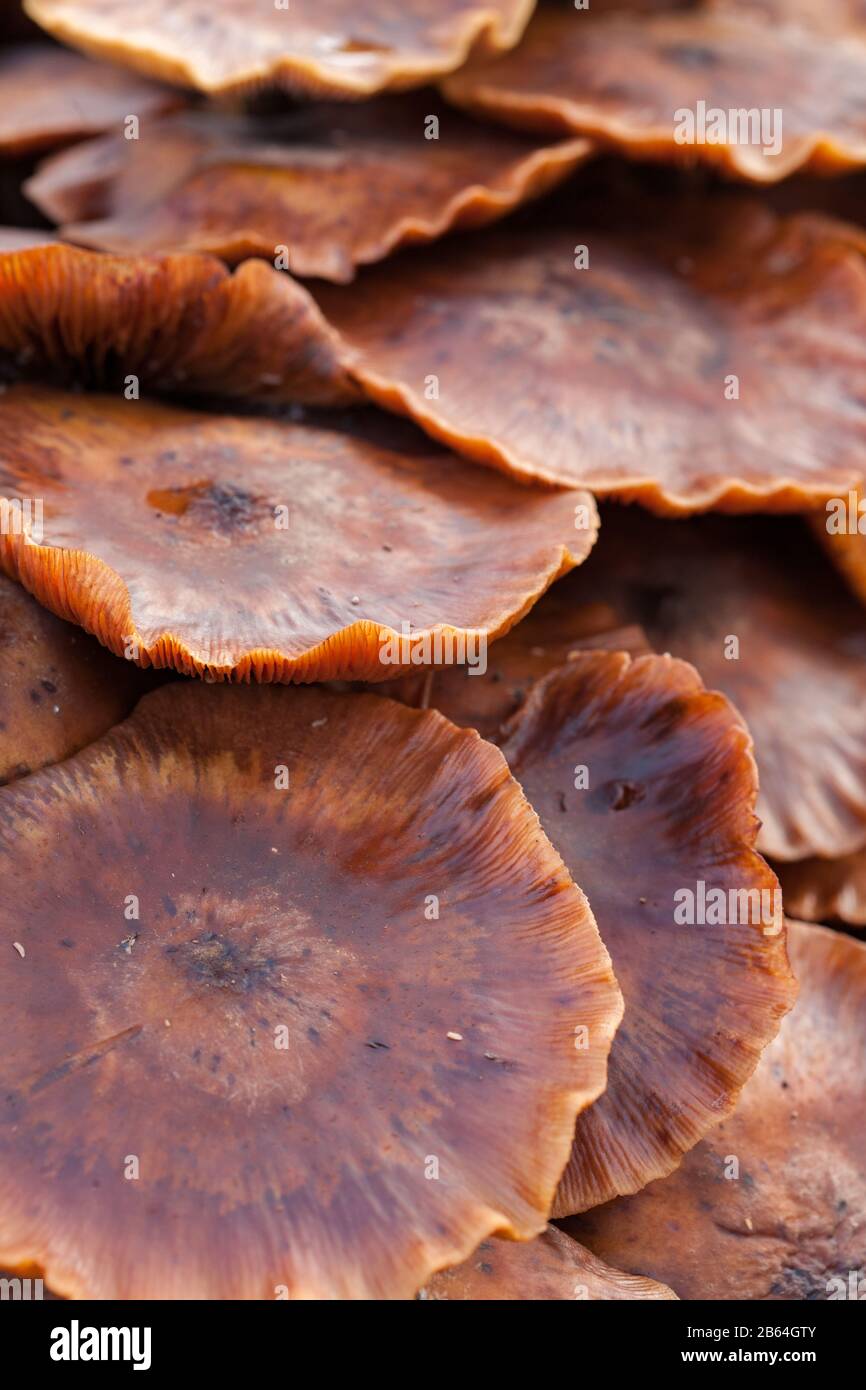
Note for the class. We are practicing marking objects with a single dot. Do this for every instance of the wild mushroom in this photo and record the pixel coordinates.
(758, 100)
(176, 324)
(244, 546)
(50, 97)
(772, 1205)
(553, 1266)
(666, 355)
(755, 607)
(252, 548)
(58, 689)
(316, 47)
(333, 192)
(304, 1025)
(645, 783)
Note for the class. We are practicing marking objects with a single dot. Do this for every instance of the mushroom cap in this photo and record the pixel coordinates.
(336, 192)
(50, 97)
(645, 783)
(618, 377)
(545, 639)
(282, 1039)
(625, 79)
(316, 47)
(180, 323)
(755, 607)
(58, 689)
(553, 1266)
(250, 547)
(832, 16)
(794, 1219)
(827, 890)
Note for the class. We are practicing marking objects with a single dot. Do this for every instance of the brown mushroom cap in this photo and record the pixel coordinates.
(645, 783)
(180, 323)
(58, 689)
(617, 377)
(553, 1266)
(827, 890)
(624, 80)
(249, 547)
(335, 192)
(792, 1224)
(832, 16)
(797, 672)
(50, 97)
(316, 46)
(285, 1038)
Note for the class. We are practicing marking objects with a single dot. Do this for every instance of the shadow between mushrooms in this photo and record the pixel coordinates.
(772, 1205)
(255, 545)
(337, 189)
(827, 890)
(645, 783)
(624, 79)
(318, 47)
(553, 1266)
(283, 1038)
(702, 353)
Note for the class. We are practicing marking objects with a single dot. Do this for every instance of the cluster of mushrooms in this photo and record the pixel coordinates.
(426, 650)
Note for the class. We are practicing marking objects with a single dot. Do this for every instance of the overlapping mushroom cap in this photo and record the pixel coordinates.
(248, 545)
(645, 783)
(758, 99)
(754, 606)
(49, 97)
(827, 890)
(664, 352)
(242, 547)
(180, 324)
(553, 1266)
(307, 1018)
(335, 188)
(772, 1205)
(58, 689)
(486, 699)
(311, 46)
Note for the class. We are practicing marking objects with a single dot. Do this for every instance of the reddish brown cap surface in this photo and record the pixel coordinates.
(709, 355)
(755, 607)
(553, 1266)
(336, 188)
(179, 323)
(49, 97)
(312, 46)
(772, 1205)
(250, 547)
(58, 689)
(285, 1069)
(630, 81)
(832, 16)
(645, 783)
